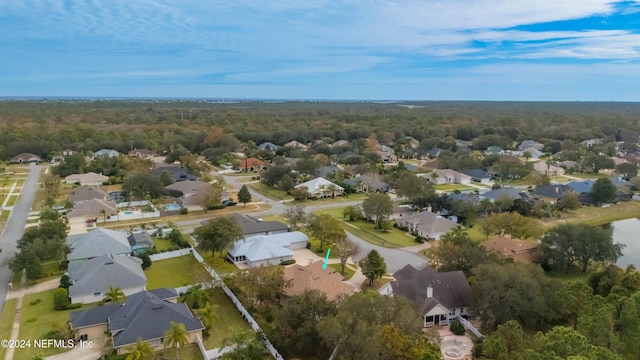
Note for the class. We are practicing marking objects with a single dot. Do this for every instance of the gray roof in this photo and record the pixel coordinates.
(177, 172)
(141, 238)
(106, 152)
(325, 171)
(263, 247)
(268, 146)
(190, 187)
(85, 193)
(93, 208)
(554, 191)
(252, 226)
(502, 193)
(96, 243)
(450, 289)
(372, 182)
(428, 222)
(97, 274)
(165, 293)
(143, 315)
(476, 174)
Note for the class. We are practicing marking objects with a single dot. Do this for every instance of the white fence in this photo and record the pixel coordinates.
(170, 254)
(471, 328)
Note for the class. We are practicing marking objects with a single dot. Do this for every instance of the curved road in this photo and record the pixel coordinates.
(15, 228)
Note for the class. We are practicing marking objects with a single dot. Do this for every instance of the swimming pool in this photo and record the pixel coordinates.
(172, 207)
(127, 212)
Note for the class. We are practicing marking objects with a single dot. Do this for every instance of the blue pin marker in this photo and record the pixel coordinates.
(324, 265)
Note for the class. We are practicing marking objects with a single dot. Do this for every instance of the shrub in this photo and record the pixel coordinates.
(288, 262)
(35, 302)
(61, 299)
(456, 327)
(184, 211)
(146, 261)
(65, 282)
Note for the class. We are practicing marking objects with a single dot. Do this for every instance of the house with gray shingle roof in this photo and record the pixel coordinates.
(267, 249)
(502, 194)
(144, 315)
(88, 179)
(368, 183)
(25, 158)
(96, 243)
(106, 152)
(253, 226)
(83, 194)
(426, 224)
(268, 146)
(92, 279)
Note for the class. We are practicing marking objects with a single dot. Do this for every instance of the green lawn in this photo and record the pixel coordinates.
(162, 244)
(337, 199)
(219, 264)
(6, 322)
(279, 218)
(12, 200)
(190, 352)
(51, 268)
(5, 215)
(594, 215)
(269, 191)
(377, 284)
(588, 175)
(175, 272)
(574, 273)
(475, 233)
(452, 187)
(348, 272)
(229, 323)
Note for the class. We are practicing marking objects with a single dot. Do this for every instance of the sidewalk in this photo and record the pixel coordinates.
(25, 290)
(16, 320)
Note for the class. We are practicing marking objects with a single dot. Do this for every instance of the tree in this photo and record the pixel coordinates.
(456, 327)
(603, 191)
(245, 349)
(456, 251)
(296, 216)
(51, 185)
(628, 170)
(573, 297)
(114, 294)
(513, 224)
(566, 343)
(244, 196)
(418, 191)
(137, 185)
(567, 243)
(569, 201)
(325, 228)
(402, 346)
(141, 351)
(296, 323)
(345, 250)
(146, 261)
(208, 316)
(176, 336)
(261, 285)
(166, 179)
(377, 206)
(196, 297)
(373, 266)
(351, 212)
(506, 343)
(28, 261)
(65, 282)
(61, 299)
(300, 193)
(210, 197)
(218, 234)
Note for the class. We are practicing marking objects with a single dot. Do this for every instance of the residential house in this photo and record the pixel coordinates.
(551, 193)
(88, 213)
(321, 187)
(88, 179)
(68, 152)
(440, 296)
(591, 143)
(462, 143)
(387, 154)
(446, 176)
(83, 194)
(568, 165)
(296, 144)
(400, 211)
(505, 193)
(342, 157)
(272, 249)
(633, 157)
(146, 315)
(518, 250)
(191, 194)
(176, 172)
(106, 152)
(368, 183)
(432, 165)
(96, 243)
(92, 279)
(581, 187)
(478, 175)
(412, 142)
(426, 224)
(544, 168)
(268, 146)
(25, 158)
(340, 143)
(533, 152)
(252, 164)
(140, 242)
(526, 144)
(434, 153)
(299, 279)
(142, 153)
(253, 226)
(328, 170)
(494, 150)
(618, 160)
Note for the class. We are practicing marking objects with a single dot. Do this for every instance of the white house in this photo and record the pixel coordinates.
(321, 187)
(267, 249)
(447, 176)
(88, 179)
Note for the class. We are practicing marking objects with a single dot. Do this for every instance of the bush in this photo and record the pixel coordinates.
(184, 211)
(288, 262)
(61, 299)
(35, 302)
(146, 261)
(65, 282)
(456, 327)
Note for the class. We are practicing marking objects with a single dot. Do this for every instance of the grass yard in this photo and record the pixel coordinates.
(162, 244)
(12, 200)
(594, 215)
(269, 191)
(219, 264)
(52, 268)
(475, 233)
(574, 273)
(175, 272)
(19, 183)
(377, 284)
(189, 352)
(6, 322)
(587, 176)
(274, 218)
(452, 187)
(229, 323)
(337, 199)
(348, 271)
(5, 215)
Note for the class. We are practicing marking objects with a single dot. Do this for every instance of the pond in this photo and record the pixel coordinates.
(628, 232)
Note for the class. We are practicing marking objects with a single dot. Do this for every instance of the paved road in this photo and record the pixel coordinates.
(15, 228)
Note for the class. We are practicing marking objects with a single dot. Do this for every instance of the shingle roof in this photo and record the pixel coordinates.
(140, 238)
(268, 146)
(325, 171)
(97, 274)
(25, 157)
(85, 193)
(502, 193)
(450, 289)
(88, 177)
(252, 226)
(94, 208)
(177, 172)
(92, 317)
(476, 173)
(96, 243)
(313, 277)
(428, 222)
(190, 187)
(371, 181)
(315, 184)
(263, 247)
(165, 293)
(554, 191)
(106, 152)
(581, 187)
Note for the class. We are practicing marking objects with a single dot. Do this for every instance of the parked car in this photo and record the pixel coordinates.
(231, 203)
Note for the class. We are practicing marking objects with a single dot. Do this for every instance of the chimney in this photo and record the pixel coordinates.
(429, 292)
(557, 189)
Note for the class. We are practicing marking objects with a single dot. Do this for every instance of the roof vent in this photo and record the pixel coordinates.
(157, 306)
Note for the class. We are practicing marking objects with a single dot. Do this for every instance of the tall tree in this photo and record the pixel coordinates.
(218, 234)
(345, 249)
(377, 207)
(506, 343)
(418, 191)
(244, 196)
(603, 191)
(296, 216)
(176, 336)
(513, 224)
(115, 294)
(141, 351)
(245, 348)
(351, 212)
(456, 251)
(325, 228)
(573, 297)
(373, 266)
(566, 343)
(261, 285)
(137, 185)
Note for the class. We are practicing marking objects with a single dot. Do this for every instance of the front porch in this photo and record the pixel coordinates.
(439, 319)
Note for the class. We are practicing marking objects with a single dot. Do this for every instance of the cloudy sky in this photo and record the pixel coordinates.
(316, 49)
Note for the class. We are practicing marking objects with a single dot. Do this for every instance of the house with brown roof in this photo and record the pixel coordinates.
(518, 250)
(296, 144)
(86, 214)
(191, 194)
(440, 296)
(83, 194)
(142, 153)
(25, 158)
(446, 176)
(299, 279)
(88, 179)
(548, 169)
(252, 164)
(426, 224)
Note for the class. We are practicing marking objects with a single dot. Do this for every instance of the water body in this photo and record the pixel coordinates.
(628, 232)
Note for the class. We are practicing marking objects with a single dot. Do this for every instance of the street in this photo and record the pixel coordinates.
(15, 228)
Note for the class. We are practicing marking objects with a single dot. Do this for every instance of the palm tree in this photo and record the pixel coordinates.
(208, 316)
(244, 348)
(141, 351)
(486, 205)
(103, 212)
(332, 188)
(196, 297)
(114, 294)
(176, 336)
(322, 189)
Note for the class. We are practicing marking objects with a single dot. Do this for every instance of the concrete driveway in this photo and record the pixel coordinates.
(15, 227)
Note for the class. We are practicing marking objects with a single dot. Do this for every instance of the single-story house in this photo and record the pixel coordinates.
(192, 193)
(253, 226)
(141, 242)
(446, 176)
(519, 250)
(632, 157)
(510, 193)
(328, 170)
(106, 152)
(268, 146)
(83, 194)
(440, 296)
(548, 169)
(432, 165)
(591, 143)
(25, 158)
(426, 224)
(339, 143)
(89, 212)
(434, 153)
(267, 249)
(296, 144)
(478, 175)
(178, 173)
(146, 315)
(551, 193)
(299, 279)
(321, 187)
(387, 154)
(581, 187)
(568, 165)
(368, 183)
(526, 144)
(92, 279)
(618, 160)
(535, 153)
(96, 243)
(88, 179)
(252, 164)
(142, 153)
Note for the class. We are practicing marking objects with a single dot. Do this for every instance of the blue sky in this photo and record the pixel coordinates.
(342, 49)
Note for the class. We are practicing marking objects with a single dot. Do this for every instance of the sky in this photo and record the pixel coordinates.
(540, 50)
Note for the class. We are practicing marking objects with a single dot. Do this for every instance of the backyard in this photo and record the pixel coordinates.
(175, 272)
(229, 322)
(594, 215)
